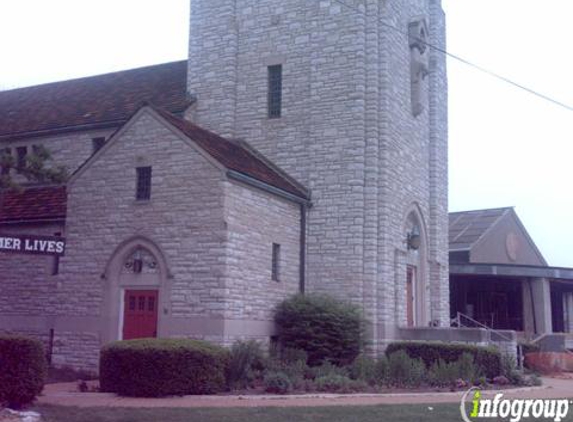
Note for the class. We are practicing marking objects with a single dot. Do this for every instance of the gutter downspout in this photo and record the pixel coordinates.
(302, 259)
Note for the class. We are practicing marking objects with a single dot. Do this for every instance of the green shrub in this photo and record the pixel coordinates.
(277, 383)
(23, 370)
(162, 367)
(328, 330)
(535, 380)
(509, 370)
(444, 374)
(338, 384)
(381, 370)
(245, 358)
(468, 370)
(290, 355)
(404, 371)
(327, 369)
(481, 382)
(364, 368)
(486, 358)
(296, 371)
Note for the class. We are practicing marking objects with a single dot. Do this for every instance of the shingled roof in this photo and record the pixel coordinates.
(467, 227)
(235, 156)
(98, 101)
(34, 204)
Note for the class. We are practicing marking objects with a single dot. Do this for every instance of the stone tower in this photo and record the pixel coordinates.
(362, 123)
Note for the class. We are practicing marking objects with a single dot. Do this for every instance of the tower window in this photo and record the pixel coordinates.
(143, 189)
(275, 89)
(97, 143)
(276, 262)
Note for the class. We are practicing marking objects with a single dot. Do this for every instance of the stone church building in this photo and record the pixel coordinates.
(302, 147)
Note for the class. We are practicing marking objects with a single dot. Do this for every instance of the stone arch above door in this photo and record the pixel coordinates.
(136, 264)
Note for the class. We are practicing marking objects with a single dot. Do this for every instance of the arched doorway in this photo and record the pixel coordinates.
(139, 280)
(137, 292)
(415, 270)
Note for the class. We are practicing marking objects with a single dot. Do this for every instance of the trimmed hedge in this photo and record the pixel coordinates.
(163, 367)
(486, 358)
(23, 370)
(326, 329)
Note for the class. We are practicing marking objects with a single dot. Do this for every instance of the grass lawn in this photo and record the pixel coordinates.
(390, 413)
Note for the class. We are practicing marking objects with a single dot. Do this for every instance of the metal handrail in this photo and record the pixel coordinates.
(489, 331)
(479, 324)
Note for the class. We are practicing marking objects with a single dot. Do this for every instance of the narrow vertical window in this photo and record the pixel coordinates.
(56, 262)
(143, 189)
(97, 143)
(275, 91)
(276, 261)
(5, 161)
(21, 153)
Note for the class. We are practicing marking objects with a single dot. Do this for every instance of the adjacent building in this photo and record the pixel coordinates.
(499, 278)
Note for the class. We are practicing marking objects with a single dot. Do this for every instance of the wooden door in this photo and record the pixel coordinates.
(140, 314)
(410, 275)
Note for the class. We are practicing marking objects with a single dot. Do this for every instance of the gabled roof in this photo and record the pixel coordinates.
(491, 236)
(234, 156)
(468, 227)
(98, 101)
(34, 204)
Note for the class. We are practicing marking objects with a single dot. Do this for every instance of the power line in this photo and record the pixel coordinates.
(467, 62)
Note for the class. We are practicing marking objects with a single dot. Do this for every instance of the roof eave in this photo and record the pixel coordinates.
(106, 124)
(241, 177)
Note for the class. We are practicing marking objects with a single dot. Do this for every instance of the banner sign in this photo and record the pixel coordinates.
(36, 245)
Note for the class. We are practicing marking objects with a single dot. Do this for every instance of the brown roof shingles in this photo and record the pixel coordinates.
(467, 227)
(34, 204)
(234, 156)
(103, 100)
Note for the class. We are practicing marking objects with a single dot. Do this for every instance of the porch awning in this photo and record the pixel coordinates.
(504, 270)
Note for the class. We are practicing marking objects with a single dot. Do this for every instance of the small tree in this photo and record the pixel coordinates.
(327, 329)
(34, 169)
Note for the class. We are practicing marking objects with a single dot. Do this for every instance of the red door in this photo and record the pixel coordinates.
(140, 314)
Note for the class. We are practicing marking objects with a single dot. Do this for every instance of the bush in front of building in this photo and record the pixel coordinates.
(486, 358)
(163, 367)
(246, 359)
(339, 384)
(365, 368)
(405, 371)
(23, 370)
(326, 329)
(277, 383)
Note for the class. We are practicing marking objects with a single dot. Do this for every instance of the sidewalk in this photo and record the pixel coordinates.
(67, 395)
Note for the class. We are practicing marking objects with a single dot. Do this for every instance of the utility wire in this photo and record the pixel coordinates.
(467, 62)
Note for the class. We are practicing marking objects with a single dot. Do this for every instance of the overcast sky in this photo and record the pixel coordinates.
(507, 147)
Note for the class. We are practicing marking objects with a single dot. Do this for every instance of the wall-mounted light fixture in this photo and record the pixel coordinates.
(413, 239)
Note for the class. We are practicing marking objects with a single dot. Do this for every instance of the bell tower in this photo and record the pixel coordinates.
(350, 99)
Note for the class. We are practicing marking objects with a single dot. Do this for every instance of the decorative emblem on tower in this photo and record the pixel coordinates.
(418, 43)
